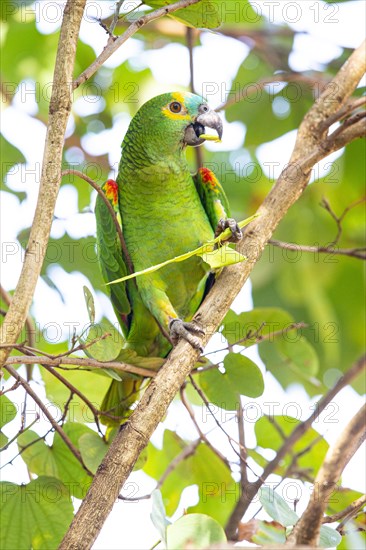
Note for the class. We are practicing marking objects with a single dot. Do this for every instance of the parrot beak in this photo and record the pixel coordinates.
(195, 133)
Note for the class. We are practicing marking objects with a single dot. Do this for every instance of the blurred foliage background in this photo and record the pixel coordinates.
(263, 68)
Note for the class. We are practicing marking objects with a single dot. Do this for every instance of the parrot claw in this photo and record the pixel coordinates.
(180, 329)
(233, 226)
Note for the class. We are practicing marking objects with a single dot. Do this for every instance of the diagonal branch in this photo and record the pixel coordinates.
(203, 437)
(78, 361)
(47, 414)
(246, 497)
(307, 529)
(135, 435)
(59, 110)
(114, 44)
(348, 513)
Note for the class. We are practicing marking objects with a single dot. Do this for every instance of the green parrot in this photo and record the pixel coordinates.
(164, 212)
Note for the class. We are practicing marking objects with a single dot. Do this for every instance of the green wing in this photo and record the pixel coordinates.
(212, 196)
(110, 253)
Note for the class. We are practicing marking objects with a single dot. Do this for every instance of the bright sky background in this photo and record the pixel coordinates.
(325, 29)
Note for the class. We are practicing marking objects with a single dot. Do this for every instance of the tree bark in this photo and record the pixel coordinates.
(59, 110)
(135, 434)
(308, 527)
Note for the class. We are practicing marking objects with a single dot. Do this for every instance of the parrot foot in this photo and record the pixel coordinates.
(180, 329)
(233, 226)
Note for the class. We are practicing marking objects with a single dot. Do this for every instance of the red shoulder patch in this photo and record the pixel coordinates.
(111, 191)
(208, 177)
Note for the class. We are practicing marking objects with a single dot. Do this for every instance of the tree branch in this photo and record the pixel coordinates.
(243, 449)
(78, 361)
(348, 512)
(114, 44)
(59, 110)
(252, 489)
(353, 252)
(135, 435)
(45, 411)
(307, 529)
(203, 437)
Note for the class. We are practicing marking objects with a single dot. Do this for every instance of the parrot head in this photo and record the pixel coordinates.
(174, 120)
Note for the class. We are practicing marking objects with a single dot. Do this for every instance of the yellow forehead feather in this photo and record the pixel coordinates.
(183, 115)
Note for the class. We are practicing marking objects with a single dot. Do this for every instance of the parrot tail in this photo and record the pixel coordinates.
(118, 401)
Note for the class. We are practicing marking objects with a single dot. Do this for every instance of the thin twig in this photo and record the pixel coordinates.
(348, 513)
(22, 430)
(23, 448)
(306, 531)
(66, 408)
(79, 361)
(203, 437)
(353, 252)
(231, 440)
(258, 338)
(115, 16)
(350, 106)
(252, 488)
(243, 448)
(185, 453)
(74, 390)
(47, 414)
(347, 123)
(339, 219)
(113, 45)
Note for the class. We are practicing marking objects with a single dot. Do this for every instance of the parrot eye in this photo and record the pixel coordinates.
(175, 107)
(204, 108)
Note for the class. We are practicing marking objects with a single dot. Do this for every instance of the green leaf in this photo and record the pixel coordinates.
(277, 507)
(106, 348)
(141, 461)
(290, 361)
(3, 440)
(218, 492)
(340, 499)
(262, 322)
(38, 456)
(89, 300)
(202, 468)
(270, 430)
(57, 460)
(202, 15)
(91, 383)
(222, 256)
(8, 411)
(269, 533)
(241, 377)
(158, 515)
(233, 12)
(10, 156)
(159, 461)
(36, 515)
(70, 471)
(329, 538)
(93, 450)
(196, 530)
(130, 356)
